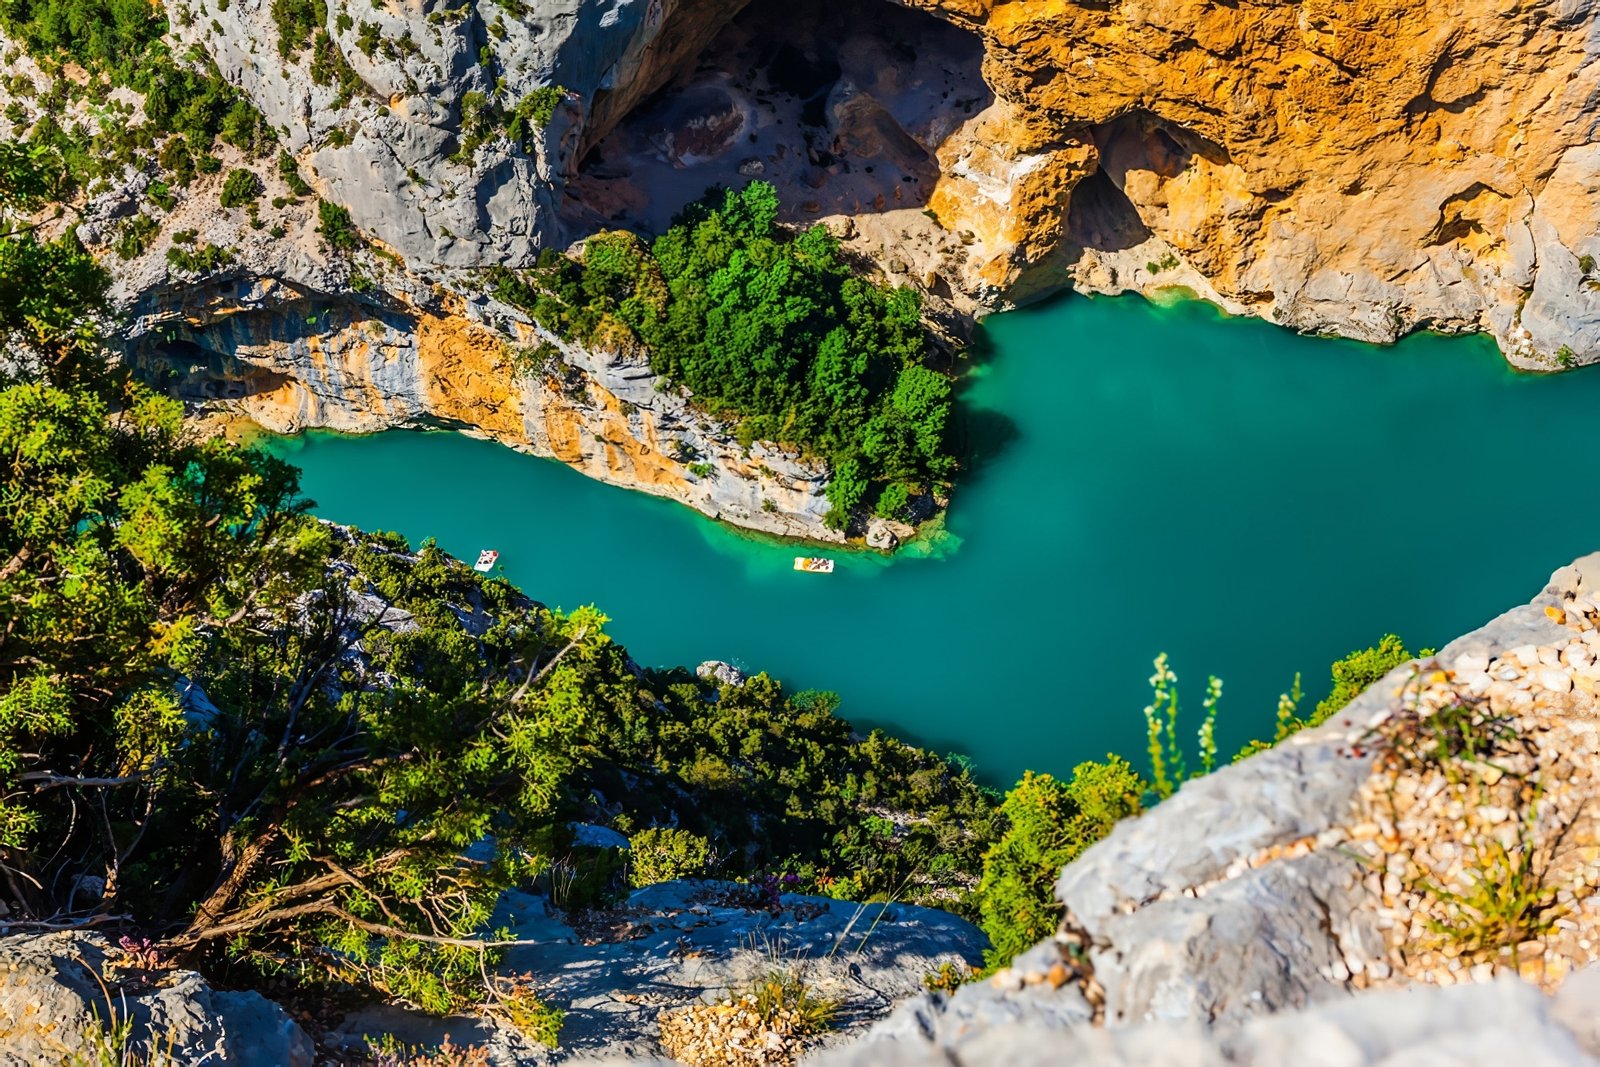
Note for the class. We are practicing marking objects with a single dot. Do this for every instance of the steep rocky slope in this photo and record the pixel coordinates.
(1358, 169)
(63, 997)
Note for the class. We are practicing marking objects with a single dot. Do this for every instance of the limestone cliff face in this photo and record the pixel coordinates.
(289, 357)
(1351, 168)
(1357, 168)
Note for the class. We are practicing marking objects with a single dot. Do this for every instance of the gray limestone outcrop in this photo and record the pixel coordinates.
(680, 943)
(1464, 1026)
(413, 134)
(63, 995)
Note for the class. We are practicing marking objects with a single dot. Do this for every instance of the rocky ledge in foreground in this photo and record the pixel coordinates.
(1440, 831)
(64, 995)
(668, 950)
(676, 945)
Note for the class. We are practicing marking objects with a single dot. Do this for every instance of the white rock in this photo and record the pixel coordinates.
(1555, 680)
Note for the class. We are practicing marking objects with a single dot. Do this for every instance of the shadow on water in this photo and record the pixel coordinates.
(982, 434)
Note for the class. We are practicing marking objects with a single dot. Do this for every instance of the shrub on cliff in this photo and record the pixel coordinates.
(773, 329)
(662, 854)
(338, 232)
(1351, 676)
(1358, 670)
(1048, 825)
(240, 188)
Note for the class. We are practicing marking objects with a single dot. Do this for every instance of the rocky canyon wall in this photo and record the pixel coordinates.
(289, 357)
(1350, 168)
(1354, 168)
(1358, 169)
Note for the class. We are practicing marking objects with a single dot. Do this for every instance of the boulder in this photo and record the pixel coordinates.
(1461, 1026)
(714, 670)
(881, 535)
(62, 993)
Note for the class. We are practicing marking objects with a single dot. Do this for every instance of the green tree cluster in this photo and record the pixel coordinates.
(663, 854)
(1048, 824)
(778, 782)
(771, 328)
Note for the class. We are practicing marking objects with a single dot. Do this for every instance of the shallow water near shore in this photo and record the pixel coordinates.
(1147, 478)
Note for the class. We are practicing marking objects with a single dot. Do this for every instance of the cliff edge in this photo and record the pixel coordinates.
(1438, 832)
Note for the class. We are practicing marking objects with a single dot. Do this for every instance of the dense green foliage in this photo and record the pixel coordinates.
(778, 782)
(98, 34)
(1048, 825)
(662, 854)
(771, 328)
(187, 106)
(241, 187)
(50, 291)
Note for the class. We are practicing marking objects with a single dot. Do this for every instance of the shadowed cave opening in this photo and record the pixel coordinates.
(1101, 216)
(841, 107)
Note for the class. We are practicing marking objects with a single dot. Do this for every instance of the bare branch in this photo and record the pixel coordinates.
(534, 678)
(50, 780)
(300, 911)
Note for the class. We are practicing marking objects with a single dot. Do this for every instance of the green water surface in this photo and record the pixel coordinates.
(1147, 478)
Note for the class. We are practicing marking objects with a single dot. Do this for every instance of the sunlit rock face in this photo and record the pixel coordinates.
(1358, 168)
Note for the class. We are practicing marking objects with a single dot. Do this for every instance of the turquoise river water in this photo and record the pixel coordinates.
(1146, 478)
